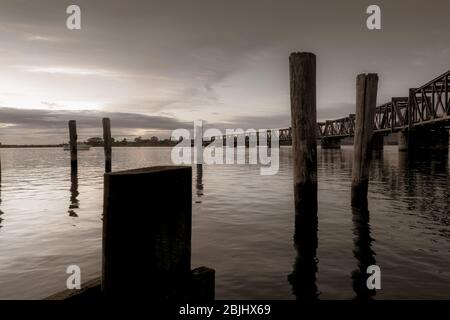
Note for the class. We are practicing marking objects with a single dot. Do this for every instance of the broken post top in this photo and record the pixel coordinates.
(368, 76)
(302, 55)
(72, 124)
(302, 60)
(106, 122)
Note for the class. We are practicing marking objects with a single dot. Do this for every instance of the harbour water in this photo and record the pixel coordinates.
(243, 223)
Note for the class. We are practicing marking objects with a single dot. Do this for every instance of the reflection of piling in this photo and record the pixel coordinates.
(303, 277)
(199, 180)
(198, 141)
(74, 203)
(147, 222)
(366, 99)
(73, 145)
(362, 252)
(302, 68)
(107, 143)
(1, 212)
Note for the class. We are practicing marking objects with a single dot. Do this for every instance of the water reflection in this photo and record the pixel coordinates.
(199, 182)
(303, 277)
(425, 179)
(244, 216)
(1, 212)
(363, 253)
(74, 202)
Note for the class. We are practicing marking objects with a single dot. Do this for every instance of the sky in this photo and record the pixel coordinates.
(155, 66)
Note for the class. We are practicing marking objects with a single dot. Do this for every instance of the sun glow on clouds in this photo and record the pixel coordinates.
(42, 38)
(6, 125)
(36, 100)
(71, 71)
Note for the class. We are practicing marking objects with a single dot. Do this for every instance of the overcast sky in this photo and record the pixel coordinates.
(154, 66)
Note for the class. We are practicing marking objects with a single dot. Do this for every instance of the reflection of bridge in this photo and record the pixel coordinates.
(420, 118)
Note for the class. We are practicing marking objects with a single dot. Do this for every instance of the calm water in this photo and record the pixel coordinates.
(243, 223)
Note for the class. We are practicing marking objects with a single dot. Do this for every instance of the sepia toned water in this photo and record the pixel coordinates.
(243, 223)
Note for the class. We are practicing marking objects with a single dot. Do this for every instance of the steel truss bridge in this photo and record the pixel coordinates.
(427, 105)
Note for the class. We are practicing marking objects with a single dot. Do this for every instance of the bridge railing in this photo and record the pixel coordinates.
(392, 115)
(430, 102)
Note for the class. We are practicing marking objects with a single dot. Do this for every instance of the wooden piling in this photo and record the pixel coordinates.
(146, 254)
(147, 233)
(366, 100)
(73, 145)
(302, 69)
(107, 143)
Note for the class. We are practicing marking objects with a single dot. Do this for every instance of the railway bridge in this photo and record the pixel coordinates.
(421, 119)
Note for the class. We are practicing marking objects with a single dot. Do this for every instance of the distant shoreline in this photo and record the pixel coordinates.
(18, 146)
(10, 146)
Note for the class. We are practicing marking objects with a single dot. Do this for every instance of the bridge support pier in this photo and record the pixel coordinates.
(403, 140)
(330, 143)
(423, 139)
(377, 142)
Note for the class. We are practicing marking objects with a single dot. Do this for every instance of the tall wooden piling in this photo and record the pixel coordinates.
(73, 145)
(366, 100)
(302, 69)
(107, 143)
(147, 232)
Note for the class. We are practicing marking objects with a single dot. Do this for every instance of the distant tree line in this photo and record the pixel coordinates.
(139, 141)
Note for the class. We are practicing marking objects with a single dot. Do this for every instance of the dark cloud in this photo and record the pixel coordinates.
(50, 126)
(30, 118)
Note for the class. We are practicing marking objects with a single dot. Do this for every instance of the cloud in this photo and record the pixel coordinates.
(39, 118)
(50, 126)
(71, 71)
(42, 38)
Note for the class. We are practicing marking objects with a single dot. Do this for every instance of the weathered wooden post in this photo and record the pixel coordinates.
(107, 143)
(366, 100)
(302, 69)
(147, 218)
(73, 145)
